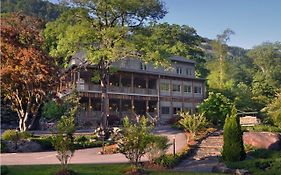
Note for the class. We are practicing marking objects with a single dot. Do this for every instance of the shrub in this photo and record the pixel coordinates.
(259, 128)
(168, 160)
(157, 147)
(273, 109)
(11, 135)
(63, 141)
(233, 148)
(215, 107)
(135, 139)
(192, 123)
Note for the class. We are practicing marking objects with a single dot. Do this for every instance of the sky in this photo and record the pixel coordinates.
(253, 21)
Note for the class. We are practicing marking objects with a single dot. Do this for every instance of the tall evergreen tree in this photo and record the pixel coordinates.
(233, 147)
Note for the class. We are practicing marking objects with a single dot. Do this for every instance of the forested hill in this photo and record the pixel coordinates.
(42, 9)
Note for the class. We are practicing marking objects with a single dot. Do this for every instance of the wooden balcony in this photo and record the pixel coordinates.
(116, 89)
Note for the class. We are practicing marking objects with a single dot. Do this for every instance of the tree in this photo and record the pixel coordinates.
(173, 39)
(273, 109)
(219, 77)
(135, 140)
(27, 72)
(233, 147)
(63, 140)
(192, 123)
(103, 30)
(38, 8)
(215, 107)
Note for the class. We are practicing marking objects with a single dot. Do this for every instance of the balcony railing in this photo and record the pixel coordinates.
(136, 90)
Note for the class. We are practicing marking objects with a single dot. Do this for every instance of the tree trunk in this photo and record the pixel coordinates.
(104, 97)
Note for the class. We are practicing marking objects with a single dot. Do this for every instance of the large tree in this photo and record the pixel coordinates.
(103, 31)
(219, 77)
(27, 72)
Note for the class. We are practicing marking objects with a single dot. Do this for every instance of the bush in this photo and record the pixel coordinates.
(273, 109)
(134, 140)
(157, 147)
(3, 147)
(192, 123)
(215, 107)
(11, 135)
(168, 160)
(233, 148)
(14, 135)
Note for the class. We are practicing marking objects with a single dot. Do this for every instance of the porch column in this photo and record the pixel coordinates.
(132, 82)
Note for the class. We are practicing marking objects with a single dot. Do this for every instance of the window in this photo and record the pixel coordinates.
(188, 71)
(164, 87)
(176, 110)
(176, 87)
(165, 110)
(197, 90)
(142, 66)
(187, 89)
(178, 70)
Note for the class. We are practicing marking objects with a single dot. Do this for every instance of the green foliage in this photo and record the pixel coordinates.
(134, 140)
(14, 135)
(157, 147)
(233, 148)
(39, 8)
(263, 162)
(63, 141)
(192, 123)
(215, 107)
(53, 109)
(273, 109)
(168, 160)
(265, 128)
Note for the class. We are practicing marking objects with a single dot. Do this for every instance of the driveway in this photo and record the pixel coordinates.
(90, 155)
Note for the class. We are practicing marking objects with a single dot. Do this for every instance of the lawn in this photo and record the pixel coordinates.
(85, 169)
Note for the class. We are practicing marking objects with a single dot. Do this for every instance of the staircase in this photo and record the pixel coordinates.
(205, 155)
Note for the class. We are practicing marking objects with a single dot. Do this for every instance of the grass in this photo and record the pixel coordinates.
(86, 169)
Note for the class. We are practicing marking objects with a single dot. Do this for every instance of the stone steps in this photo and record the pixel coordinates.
(205, 156)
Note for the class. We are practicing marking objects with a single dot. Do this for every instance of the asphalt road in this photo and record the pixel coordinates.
(91, 155)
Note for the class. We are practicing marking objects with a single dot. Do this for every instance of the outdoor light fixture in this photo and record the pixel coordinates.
(174, 145)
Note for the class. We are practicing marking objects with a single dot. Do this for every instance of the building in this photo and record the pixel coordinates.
(137, 89)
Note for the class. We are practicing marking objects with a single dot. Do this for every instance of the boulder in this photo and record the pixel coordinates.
(221, 168)
(265, 140)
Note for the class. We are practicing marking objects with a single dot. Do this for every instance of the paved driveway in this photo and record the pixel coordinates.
(87, 155)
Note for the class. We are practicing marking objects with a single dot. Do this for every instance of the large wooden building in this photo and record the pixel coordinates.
(137, 89)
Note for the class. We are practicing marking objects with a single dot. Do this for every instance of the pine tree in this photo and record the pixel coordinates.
(233, 148)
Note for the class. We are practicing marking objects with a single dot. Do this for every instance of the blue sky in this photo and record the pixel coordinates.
(253, 21)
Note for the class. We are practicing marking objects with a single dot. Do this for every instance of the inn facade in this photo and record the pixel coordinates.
(136, 89)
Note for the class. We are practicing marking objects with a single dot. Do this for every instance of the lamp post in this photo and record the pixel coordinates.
(174, 145)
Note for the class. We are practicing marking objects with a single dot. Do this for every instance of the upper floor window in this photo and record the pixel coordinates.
(187, 89)
(176, 87)
(142, 66)
(198, 90)
(164, 87)
(178, 70)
